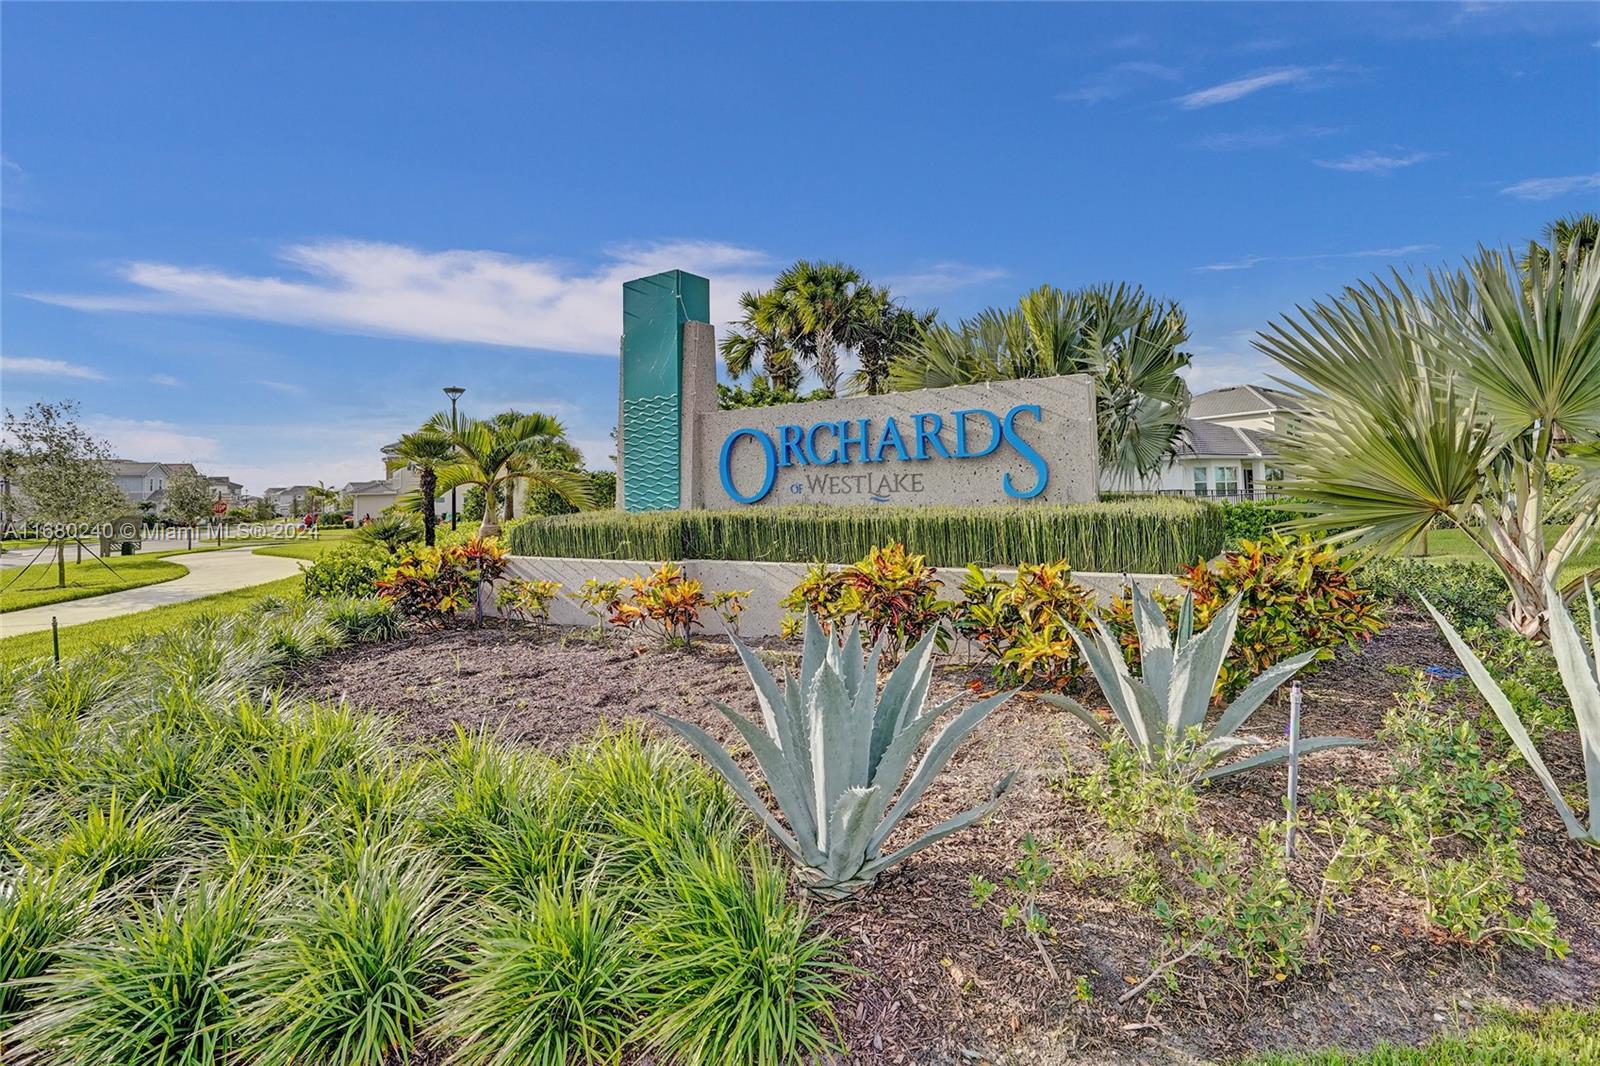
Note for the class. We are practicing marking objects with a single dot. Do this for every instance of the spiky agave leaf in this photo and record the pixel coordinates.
(1576, 665)
(834, 752)
(1158, 710)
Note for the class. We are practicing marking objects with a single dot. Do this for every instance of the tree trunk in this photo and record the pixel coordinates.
(828, 362)
(61, 563)
(428, 480)
(489, 527)
(511, 498)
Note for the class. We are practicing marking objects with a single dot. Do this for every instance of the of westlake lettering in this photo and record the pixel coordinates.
(1019, 441)
(923, 438)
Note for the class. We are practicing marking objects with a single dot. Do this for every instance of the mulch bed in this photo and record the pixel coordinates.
(944, 983)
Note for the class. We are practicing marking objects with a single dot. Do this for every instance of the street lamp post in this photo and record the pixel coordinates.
(454, 392)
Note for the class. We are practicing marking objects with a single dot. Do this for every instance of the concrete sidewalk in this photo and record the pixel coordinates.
(209, 573)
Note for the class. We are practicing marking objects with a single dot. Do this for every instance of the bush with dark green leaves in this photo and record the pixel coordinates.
(348, 570)
(1254, 519)
(1468, 594)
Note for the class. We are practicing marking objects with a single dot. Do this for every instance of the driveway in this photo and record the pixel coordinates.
(209, 573)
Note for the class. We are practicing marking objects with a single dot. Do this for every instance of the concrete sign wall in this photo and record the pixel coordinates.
(1015, 441)
(1030, 441)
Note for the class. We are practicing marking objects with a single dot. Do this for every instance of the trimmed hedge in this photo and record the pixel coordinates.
(1150, 535)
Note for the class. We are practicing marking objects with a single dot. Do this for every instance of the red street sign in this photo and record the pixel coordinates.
(219, 508)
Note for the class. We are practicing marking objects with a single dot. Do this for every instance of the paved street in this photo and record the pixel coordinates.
(209, 573)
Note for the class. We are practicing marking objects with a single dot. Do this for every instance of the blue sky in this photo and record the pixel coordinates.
(262, 237)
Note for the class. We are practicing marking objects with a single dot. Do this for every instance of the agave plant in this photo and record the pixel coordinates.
(834, 752)
(1580, 676)
(1163, 712)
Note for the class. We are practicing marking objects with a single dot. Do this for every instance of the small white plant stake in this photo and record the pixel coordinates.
(1294, 768)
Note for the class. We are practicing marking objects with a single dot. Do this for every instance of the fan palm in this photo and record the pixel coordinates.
(427, 450)
(1126, 340)
(1453, 402)
(889, 332)
(761, 339)
(495, 455)
(812, 311)
(1582, 230)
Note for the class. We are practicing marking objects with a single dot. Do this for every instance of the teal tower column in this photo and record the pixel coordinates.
(650, 426)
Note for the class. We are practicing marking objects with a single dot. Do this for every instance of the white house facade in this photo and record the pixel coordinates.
(369, 499)
(1228, 447)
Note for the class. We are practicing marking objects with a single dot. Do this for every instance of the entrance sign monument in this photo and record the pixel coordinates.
(1020, 441)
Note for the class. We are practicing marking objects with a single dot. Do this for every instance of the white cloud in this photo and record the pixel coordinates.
(1118, 80)
(1229, 91)
(1246, 262)
(287, 388)
(941, 278)
(1262, 137)
(473, 296)
(1550, 188)
(1376, 162)
(51, 368)
(165, 379)
(157, 441)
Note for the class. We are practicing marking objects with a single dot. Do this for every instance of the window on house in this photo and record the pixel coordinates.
(1199, 481)
(1227, 483)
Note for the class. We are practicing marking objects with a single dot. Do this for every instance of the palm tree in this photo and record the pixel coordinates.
(319, 496)
(554, 452)
(1454, 401)
(761, 339)
(890, 332)
(812, 311)
(1582, 230)
(493, 454)
(427, 450)
(1129, 342)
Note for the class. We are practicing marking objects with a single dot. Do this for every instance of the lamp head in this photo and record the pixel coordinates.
(454, 392)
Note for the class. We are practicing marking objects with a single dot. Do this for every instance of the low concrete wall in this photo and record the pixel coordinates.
(768, 584)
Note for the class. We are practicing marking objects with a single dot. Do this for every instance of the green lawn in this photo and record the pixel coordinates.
(1556, 1036)
(303, 549)
(1452, 545)
(36, 586)
(77, 639)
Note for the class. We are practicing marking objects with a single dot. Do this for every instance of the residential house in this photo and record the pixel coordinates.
(371, 498)
(289, 501)
(146, 482)
(1228, 448)
(227, 490)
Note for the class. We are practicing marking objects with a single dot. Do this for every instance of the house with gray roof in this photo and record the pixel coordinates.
(1228, 448)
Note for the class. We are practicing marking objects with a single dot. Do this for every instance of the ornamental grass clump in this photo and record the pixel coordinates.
(834, 752)
(198, 869)
(1163, 711)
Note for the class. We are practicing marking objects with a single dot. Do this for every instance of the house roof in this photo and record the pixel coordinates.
(1210, 440)
(1241, 400)
(368, 487)
(129, 467)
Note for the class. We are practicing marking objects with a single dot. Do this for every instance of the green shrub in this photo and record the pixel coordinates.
(437, 583)
(1469, 594)
(348, 570)
(332, 520)
(737, 975)
(1294, 596)
(1253, 519)
(892, 595)
(1146, 535)
(1022, 624)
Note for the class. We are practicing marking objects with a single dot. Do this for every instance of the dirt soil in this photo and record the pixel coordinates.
(944, 983)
